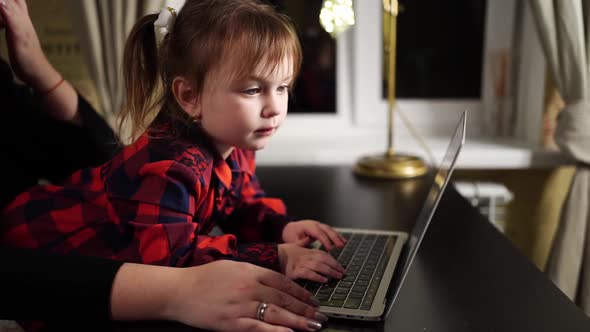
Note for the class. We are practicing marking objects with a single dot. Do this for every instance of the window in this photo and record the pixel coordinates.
(439, 49)
(439, 52)
(315, 89)
(359, 126)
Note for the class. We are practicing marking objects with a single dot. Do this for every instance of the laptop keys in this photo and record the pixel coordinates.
(339, 297)
(365, 257)
(352, 303)
(356, 295)
(335, 252)
(365, 276)
(332, 303)
(359, 289)
(342, 290)
(326, 290)
(362, 282)
(313, 287)
(349, 278)
(345, 284)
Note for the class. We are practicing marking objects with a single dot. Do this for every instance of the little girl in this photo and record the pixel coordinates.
(203, 98)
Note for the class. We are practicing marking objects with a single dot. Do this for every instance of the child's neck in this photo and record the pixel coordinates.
(224, 150)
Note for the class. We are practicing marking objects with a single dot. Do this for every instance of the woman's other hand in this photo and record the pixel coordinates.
(31, 66)
(24, 49)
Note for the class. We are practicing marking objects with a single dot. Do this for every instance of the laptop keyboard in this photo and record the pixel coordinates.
(365, 257)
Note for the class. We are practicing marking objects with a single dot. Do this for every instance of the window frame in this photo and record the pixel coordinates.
(359, 123)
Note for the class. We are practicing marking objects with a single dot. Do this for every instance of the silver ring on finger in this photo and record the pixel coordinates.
(260, 311)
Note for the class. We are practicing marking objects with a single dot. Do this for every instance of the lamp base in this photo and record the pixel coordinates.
(391, 166)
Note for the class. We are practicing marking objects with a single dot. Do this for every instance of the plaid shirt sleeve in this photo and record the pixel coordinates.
(257, 217)
(161, 211)
(147, 218)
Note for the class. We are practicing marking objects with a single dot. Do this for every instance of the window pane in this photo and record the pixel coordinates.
(439, 49)
(315, 89)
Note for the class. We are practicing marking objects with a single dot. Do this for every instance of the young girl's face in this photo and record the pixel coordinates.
(245, 113)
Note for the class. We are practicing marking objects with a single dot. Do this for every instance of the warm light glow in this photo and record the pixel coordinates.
(336, 16)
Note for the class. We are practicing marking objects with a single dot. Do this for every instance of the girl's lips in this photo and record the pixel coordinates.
(265, 131)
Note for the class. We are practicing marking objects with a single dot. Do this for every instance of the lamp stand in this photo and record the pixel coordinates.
(390, 164)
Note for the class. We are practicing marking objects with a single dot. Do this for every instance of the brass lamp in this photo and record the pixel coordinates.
(391, 165)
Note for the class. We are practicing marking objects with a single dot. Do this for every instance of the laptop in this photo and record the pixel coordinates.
(377, 262)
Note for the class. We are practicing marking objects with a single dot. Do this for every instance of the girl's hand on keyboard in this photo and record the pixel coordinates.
(305, 231)
(312, 264)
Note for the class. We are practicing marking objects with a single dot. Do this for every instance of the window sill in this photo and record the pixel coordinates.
(346, 149)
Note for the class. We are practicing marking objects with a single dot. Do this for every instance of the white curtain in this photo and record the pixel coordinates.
(103, 26)
(563, 27)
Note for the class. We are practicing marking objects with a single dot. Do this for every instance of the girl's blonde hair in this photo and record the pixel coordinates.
(206, 34)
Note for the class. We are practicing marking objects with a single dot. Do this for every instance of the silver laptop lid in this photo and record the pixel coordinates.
(441, 179)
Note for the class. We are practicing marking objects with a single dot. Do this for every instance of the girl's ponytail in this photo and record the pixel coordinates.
(142, 77)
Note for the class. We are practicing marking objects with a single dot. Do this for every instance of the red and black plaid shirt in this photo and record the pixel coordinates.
(155, 202)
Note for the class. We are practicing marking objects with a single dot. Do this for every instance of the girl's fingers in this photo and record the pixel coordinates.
(342, 238)
(304, 273)
(329, 260)
(333, 235)
(325, 269)
(321, 236)
(303, 242)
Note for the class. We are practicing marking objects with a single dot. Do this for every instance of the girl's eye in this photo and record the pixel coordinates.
(252, 91)
(283, 88)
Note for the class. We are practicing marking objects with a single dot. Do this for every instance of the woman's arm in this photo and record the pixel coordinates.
(52, 132)
(39, 286)
(36, 285)
(32, 67)
(222, 295)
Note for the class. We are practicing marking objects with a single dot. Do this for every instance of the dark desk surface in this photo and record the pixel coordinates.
(466, 277)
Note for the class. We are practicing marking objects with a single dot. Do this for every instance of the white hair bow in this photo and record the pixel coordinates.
(165, 22)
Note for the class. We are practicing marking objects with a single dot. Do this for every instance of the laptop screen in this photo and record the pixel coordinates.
(439, 183)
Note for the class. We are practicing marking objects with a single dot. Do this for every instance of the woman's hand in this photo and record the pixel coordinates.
(24, 49)
(312, 264)
(220, 296)
(225, 295)
(305, 231)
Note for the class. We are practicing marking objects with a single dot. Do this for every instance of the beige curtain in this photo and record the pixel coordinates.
(103, 26)
(563, 27)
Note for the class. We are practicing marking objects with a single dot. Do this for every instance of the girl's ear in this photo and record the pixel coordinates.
(186, 96)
